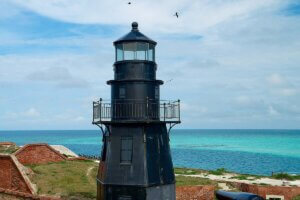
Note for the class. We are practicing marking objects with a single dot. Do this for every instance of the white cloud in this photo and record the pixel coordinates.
(193, 108)
(70, 116)
(286, 92)
(50, 74)
(243, 100)
(151, 14)
(79, 118)
(61, 70)
(275, 79)
(7, 10)
(272, 111)
(281, 86)
(61, 76)
(245, 60)
(31, 112)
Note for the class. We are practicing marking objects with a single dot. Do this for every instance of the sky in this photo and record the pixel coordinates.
(234, 64)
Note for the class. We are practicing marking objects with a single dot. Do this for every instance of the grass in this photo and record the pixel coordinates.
(8, 150)
(296, 198)
(67, 178)
(186, 180)
(187, 171)
(219, 172)
(285, 176)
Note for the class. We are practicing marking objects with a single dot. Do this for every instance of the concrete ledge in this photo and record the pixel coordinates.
(10, 194)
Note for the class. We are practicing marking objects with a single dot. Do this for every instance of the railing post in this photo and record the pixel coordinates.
(93, 111)
(100, 105)
(164, 112)
(179, 109)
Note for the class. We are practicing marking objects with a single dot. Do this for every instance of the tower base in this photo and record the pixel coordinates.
(118, 192)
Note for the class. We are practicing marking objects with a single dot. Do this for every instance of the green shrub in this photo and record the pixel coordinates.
(219, 171)
(285, 176)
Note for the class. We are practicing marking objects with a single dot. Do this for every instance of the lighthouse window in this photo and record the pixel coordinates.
(135, 51)
(126, 149)
(119, 50)
(129, 50)
(121, 93)
(141, 51)
(151, 52)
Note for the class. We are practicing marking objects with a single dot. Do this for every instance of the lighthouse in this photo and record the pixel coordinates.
(136, 161)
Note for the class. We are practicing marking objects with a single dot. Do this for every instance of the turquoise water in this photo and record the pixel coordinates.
(244, 151)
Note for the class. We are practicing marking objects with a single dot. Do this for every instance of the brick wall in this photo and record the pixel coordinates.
(13, 195)
(288, 192)
(12, 177)
(38, 154)
(195, 192)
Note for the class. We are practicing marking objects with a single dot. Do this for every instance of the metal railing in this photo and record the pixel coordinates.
(136, 110)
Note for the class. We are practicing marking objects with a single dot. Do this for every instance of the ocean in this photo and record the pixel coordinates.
(259, 152)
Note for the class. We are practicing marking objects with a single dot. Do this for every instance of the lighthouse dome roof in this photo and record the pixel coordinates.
(134, 35)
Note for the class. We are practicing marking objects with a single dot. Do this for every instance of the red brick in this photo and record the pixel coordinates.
(13, 195)
(195, 192)
(38, 154)
(11, 176)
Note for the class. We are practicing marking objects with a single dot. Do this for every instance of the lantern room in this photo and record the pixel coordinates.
(135, 46)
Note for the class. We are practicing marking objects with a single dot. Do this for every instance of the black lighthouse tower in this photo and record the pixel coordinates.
(136, 162)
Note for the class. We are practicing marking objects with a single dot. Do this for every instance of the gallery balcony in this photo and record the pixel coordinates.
(133, 111)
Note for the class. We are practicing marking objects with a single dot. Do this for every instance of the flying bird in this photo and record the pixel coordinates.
(176, 14)
(129, 3)
(169, 80)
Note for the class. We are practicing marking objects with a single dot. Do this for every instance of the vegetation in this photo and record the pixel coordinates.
(187, 171)
(297, 197)
(219, 171)
(8, 150)
(187, 180)
(242, 177)
(76, 179)
(67, 178)
(285, 176)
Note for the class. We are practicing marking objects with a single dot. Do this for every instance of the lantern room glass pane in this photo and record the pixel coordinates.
(141, 51)
(129, 50)
(151, 52)
(120, 55)
(135, 51)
